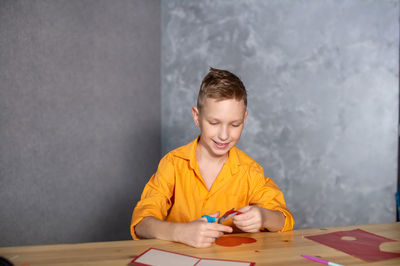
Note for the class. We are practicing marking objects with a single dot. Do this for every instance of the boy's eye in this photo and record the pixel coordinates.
(236, 125)
(213, 123)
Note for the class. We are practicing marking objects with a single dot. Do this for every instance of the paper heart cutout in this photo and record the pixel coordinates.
(232, 241)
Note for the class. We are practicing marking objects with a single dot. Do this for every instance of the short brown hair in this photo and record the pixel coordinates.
(221, 85)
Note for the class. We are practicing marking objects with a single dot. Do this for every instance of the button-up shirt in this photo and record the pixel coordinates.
(178, 193)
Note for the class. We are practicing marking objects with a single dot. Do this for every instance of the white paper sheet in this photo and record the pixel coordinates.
(158, 257)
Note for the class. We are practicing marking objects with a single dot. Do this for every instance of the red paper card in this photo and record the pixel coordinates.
(364, 245)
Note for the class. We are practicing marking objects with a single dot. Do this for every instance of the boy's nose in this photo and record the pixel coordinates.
(223, 133)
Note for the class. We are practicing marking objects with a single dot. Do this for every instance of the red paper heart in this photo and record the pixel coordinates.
(231, 241)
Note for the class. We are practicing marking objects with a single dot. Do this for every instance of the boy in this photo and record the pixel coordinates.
(211, 176)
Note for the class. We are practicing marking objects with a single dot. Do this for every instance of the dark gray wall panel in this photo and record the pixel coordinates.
(322, 77)
(79, 117)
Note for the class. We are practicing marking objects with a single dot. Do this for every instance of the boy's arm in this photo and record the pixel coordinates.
(156, 197)
(151, 227)
(265, 194)
(198, 233)
(255, 217)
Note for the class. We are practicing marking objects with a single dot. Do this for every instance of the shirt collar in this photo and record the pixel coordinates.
(233, 160)
(188, 152)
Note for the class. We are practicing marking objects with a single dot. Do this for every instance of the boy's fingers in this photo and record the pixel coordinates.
(203, 219)
(245, 223)
(242, 217)
(218, 227)
(213, 234)
(222, 228)
(249, 212)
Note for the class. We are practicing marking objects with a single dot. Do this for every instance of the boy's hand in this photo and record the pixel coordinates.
(251, 219)
(200, 233)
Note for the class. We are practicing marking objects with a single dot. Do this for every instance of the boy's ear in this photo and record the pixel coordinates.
(196, 114)
(245, 116)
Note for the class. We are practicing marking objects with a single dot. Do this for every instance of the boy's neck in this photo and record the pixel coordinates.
(209, 166)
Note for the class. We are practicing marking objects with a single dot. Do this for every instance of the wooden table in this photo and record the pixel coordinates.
(270, 249)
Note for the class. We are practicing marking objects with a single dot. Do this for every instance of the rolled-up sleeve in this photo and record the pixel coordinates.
(265, 193)
(156, 197)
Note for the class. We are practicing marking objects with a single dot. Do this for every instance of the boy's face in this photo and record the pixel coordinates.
(221, 123)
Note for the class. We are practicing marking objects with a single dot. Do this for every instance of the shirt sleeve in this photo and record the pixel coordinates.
(156, 198)
(265, 193)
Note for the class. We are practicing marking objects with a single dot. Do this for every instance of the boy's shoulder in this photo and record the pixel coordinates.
(246, 160)
(183, 152)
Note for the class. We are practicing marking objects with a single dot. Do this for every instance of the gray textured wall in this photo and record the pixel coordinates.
(79, 117)
(322, 78)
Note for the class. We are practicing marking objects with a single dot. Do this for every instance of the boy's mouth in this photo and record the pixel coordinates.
(221, 145)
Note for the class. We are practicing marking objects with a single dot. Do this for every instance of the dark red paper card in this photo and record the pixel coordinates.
(358, 243)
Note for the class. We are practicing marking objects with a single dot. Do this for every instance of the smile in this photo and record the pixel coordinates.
(221, 145)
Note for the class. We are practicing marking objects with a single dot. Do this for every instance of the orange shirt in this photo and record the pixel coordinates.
(177, 192)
